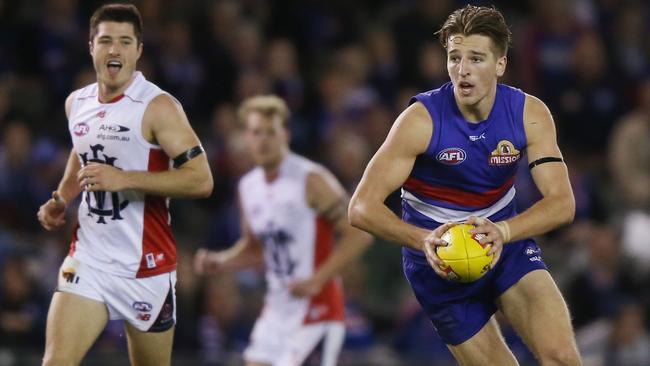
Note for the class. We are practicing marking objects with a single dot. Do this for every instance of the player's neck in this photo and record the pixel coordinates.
(479, 111)
(272, 170)
(108, 94)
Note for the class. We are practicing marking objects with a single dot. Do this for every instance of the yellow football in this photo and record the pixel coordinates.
(465, 258)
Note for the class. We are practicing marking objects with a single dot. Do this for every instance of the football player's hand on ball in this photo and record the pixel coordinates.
(431, 242)
(494, 237)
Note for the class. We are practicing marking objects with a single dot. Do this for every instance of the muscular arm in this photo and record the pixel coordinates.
(557, 206)
(326, 195)
(69, 188)
(51, 214)
(164, 123)
(386, 172)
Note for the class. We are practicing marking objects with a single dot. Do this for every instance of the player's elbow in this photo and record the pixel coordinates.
(203, 185)
(357, 214)
(567, 210)
(205, 189)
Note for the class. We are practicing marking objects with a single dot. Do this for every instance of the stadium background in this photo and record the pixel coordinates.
(346, 68)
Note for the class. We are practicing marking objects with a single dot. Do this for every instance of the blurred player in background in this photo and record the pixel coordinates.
(454, 152)
(291, 211)
(122, 259)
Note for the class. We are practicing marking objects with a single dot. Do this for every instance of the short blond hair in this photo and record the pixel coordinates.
(267, 105)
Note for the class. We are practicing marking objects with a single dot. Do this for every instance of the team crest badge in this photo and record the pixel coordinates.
(504, 154)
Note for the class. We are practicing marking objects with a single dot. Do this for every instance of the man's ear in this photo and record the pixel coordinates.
(140, 48)
(501, 66)
(90, 47)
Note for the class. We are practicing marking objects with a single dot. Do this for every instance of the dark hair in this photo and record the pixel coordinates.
(121, 13)
(477, 20)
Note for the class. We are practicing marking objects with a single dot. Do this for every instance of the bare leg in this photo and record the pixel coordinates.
(537, 311)
(149, 349)
(486, 347)
(73, 324)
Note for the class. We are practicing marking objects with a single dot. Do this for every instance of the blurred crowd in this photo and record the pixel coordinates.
(346, 69)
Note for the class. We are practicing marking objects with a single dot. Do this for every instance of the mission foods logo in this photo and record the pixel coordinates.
(451, 156)
(504, 154)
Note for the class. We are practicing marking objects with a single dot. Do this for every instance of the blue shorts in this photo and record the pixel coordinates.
(458, 311)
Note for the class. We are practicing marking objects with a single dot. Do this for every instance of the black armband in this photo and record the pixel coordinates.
(188, 155)
(548, 159)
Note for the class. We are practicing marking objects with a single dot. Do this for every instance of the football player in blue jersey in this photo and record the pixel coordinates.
(454, 153)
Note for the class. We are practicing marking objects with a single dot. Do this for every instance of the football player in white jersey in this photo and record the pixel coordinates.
(126, 132)
(291, 208)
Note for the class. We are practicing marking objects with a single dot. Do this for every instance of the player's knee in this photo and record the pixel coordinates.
(560, 355)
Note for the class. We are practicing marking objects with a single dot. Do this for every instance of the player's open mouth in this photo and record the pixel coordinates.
(465, 87)
(113, 67)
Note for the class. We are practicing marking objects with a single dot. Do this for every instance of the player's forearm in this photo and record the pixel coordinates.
(187, 182)
(378, 220)
(242, 254)
(68, 187)
(545, 215)
(350, 246)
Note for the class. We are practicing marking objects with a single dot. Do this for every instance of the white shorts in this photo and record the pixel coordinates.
(277, 343)
(149, 303)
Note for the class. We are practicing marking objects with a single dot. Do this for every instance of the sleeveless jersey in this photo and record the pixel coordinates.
(296, 240)
(125, 233)
(468, 168)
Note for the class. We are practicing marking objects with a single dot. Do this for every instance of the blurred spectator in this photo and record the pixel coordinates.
(589, 105)
(617, 340)
(384, 74)
(17, 202)
(282, 67)
(629, 162)
(22, 314)
(596, 287)
(182, 72)
(544, 49)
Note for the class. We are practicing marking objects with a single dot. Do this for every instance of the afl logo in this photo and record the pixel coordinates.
(451, 156)
(80, 129)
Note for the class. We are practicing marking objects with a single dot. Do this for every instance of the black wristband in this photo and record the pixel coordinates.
(188, 155)
(548, 159)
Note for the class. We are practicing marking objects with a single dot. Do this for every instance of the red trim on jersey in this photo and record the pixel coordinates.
(158, 244)
(113, 100)
(457, 196)
(73, 241)
(328, 304)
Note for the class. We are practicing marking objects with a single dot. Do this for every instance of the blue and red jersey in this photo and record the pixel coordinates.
(468, 168)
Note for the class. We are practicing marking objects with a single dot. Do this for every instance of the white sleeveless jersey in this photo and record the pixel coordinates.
(125, 233)
(296, 240)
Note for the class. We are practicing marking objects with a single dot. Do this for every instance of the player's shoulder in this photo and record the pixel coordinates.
(86, 92)
(299, 162)
(534, 107)
(142, 90)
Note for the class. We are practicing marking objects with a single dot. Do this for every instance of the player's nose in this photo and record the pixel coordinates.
(114, 50)
(463, 69)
